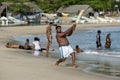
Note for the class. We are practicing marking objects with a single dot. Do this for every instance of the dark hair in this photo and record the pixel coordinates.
(77, 46)
(27, 39)
(36, 39)
(99, 31)
(50, 23)
(58, 27)
(108, 33)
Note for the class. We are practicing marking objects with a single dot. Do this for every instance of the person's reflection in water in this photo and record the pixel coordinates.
(36, 53)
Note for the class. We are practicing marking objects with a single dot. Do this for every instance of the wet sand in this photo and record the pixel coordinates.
(17, 64)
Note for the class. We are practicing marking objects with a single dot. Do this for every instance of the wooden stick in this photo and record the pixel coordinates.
(80, 14)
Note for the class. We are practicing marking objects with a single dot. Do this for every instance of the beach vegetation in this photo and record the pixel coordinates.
(54, 5)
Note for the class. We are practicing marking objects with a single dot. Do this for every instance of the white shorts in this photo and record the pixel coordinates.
(65, 51)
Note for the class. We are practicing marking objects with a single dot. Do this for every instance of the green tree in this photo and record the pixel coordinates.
(53, 5)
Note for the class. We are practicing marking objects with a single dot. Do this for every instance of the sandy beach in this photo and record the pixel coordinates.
(17, 64)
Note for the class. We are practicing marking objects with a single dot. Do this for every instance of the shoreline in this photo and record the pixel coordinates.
(17, 64)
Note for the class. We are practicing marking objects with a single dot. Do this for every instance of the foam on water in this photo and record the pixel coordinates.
(102, 53)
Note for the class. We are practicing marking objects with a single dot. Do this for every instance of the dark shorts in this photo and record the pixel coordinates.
(41, 49)
(98, 44)
(21, 47)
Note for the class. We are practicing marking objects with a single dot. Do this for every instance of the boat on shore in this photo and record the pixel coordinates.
(11, 21)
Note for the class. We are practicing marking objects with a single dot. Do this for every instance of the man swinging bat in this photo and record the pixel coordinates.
(64, 46)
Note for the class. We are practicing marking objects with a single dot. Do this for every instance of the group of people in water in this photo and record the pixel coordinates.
(98, 40)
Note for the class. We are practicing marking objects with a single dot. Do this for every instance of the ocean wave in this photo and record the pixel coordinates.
(102, 53)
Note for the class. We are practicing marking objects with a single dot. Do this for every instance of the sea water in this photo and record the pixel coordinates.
(104, 61)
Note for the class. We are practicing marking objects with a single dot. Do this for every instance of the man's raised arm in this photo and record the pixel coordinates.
(69, 31)
(72, 28)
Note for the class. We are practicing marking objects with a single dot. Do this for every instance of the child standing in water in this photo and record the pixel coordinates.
(98, 40)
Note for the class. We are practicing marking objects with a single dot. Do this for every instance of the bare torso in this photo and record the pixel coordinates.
(62, 36)
(62, 40)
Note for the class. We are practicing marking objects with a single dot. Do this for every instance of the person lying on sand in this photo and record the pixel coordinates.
(26, 45)
(11, 45)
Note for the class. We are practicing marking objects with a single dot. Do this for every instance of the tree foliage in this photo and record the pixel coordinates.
(53, 5)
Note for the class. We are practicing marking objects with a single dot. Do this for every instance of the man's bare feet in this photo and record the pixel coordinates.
(56, 64)
(47, 55)
(74, 66)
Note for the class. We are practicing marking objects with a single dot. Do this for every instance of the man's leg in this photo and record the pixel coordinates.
(73, 59)
(47, 54)
(60, 60)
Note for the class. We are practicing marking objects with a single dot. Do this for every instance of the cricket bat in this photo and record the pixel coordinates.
(80, 14)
